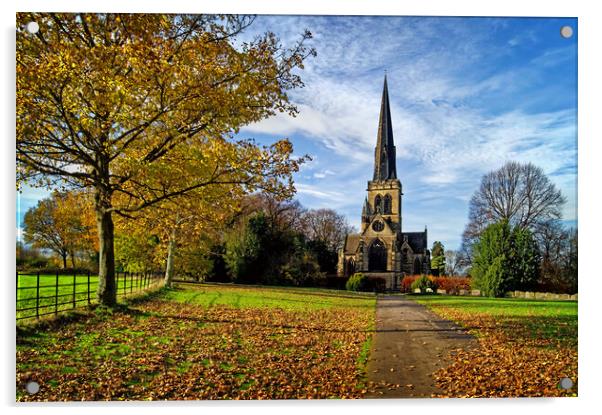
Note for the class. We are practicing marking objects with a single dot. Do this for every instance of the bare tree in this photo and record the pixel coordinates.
(519, 193)
(326, 225)
(558, 248)
(283, 214)
(455, 263)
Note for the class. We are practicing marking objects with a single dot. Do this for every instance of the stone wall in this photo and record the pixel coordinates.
(541, 296)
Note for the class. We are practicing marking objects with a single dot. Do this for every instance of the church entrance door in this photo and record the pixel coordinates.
(377, 257)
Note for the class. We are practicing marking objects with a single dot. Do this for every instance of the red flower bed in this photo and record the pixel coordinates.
(406, 283)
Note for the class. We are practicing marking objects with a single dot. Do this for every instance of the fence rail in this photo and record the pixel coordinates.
(40, 294)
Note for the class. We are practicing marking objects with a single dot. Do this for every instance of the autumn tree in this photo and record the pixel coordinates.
(269, 244)
(103, 100)
(59, 223)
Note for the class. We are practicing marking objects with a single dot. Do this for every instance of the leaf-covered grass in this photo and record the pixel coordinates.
(526, 346)
(224, 343)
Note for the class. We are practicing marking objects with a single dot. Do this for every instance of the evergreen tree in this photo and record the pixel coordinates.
(438, 259)
(505, 258)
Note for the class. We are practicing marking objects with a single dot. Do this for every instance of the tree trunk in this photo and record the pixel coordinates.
(64, 255)
(171, 250)
(107, 290)
(72, 259)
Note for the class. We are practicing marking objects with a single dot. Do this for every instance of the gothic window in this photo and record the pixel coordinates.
(378, 204)
(387, 205)
(377, 259)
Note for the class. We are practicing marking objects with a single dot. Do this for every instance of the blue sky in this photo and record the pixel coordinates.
(467, 94)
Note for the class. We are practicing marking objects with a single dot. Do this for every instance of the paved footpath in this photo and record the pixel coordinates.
(410, 344)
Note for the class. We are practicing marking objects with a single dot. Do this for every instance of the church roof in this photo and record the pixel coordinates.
(384, 153)
(417, 241)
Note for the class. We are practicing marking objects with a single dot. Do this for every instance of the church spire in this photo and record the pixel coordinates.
(384, 154)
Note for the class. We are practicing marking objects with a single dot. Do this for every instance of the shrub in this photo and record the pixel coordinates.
(424, 283)
(360, 282)
(453, 285)
(406, 283)
(356, 282)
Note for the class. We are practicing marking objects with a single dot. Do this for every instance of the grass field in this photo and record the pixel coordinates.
(526, 346)
(27, 291)
(206, 342)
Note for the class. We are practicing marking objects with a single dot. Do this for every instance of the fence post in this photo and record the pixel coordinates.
(125, 282)
(17, 293)
(74, 282)
(38, 295)
(56, 293)
(131, 281)
(88, 287)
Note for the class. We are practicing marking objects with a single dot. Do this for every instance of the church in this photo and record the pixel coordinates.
(382, 249)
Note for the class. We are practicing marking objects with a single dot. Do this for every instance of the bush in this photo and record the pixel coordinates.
(356, 282)
(360, 282)
(453, 285)
(425, 283)
(406, 283)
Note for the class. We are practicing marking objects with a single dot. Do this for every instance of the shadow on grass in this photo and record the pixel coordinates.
(28, 328)
(237, 298)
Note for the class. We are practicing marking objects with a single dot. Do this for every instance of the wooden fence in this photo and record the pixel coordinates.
(40, 294)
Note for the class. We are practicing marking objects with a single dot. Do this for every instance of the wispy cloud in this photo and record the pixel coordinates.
(465, 98)
(467, 94)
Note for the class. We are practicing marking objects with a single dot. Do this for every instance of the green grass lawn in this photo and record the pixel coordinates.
(205, 341)
(27, 291)
(286, 298)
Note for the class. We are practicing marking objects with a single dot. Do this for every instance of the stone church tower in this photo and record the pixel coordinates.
(381, 249)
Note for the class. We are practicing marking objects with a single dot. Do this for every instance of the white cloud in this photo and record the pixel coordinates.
(322, 174)
(446, 133)
(318, 192)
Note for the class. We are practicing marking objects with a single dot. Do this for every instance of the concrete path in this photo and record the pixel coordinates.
(410, 344)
